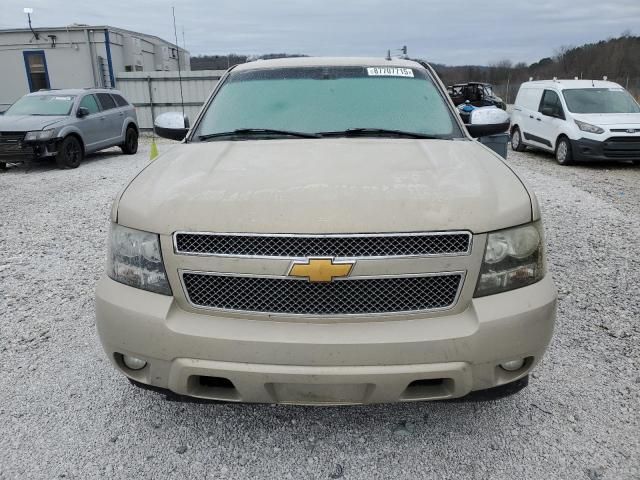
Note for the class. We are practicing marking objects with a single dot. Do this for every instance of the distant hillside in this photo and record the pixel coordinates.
(617, 58)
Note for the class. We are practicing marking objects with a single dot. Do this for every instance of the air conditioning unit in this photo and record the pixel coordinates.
(133, 52)
(161, 53)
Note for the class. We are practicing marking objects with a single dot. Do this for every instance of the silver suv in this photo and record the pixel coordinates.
(67, 125)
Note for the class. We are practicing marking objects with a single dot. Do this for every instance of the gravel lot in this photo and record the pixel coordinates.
(65, 413)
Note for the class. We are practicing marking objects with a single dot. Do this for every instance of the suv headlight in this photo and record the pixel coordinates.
(587, 127)
(39, 135)
(135, 259)
(513, 258)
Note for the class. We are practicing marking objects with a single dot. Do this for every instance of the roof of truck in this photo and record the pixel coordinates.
(328, 62)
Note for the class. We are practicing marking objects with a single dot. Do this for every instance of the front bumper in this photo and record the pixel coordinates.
(613, 149)
(350, 362)
(25, 151)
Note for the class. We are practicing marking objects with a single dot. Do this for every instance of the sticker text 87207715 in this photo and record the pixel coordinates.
(389, 72)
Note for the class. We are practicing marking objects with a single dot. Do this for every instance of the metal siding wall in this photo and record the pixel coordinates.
(196, 87)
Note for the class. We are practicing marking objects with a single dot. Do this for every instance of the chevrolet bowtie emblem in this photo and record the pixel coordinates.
(321, 269)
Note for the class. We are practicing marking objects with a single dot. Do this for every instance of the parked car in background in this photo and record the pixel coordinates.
(67, 125)
(328, 232)
(577, 120)
(476, 93)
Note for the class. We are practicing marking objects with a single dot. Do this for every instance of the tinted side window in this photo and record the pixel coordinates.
(551, 103)
(89, 102)
(106, 101)
(121, 102)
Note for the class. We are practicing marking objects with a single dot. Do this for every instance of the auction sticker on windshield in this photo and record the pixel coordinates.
(389, 72)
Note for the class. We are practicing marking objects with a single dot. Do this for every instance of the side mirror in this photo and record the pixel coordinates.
(82, 112)
(171, 125)
(548, 111)
(551, 112)
(487, 121)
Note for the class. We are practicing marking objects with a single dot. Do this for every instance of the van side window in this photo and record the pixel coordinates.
(550, 104)
(529, 98)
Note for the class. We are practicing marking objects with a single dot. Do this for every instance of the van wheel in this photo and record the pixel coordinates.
(70, 153)
(563, 151)
(130, 145)
(516, 140)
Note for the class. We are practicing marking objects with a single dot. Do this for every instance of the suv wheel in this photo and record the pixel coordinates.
(70, 153)
(130, 145)
(563, 152)
(516, 140)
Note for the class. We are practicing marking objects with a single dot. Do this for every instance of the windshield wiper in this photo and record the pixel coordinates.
(258, 131)
(363, 132)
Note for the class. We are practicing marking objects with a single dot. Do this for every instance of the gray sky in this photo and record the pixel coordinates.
(451, 32)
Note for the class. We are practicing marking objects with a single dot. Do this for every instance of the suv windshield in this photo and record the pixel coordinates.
(42, 105)
(600, 100)
(317, 100)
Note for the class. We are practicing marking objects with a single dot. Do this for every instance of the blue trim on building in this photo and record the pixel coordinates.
(107, 45)
(27, 54)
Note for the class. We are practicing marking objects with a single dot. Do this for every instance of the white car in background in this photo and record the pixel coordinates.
(577, 120)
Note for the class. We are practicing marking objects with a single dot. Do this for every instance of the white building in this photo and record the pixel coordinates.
(78, 56)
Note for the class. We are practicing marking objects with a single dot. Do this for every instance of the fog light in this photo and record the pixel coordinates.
(134, 363)
(512, 365)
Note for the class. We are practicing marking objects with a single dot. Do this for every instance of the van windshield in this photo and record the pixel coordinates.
(317, 100)
(600, 100)
(42, 105)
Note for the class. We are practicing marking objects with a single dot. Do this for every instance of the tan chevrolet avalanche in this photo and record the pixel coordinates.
(327, 232)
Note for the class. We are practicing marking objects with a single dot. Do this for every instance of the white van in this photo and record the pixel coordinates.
(578, 120)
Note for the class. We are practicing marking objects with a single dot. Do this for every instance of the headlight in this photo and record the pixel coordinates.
(513, 258)
(38, 135)
(135, 259)
(587, 127)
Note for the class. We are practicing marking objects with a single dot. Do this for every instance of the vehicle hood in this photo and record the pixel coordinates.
(24, 123)
(325, 186)
(609, 118)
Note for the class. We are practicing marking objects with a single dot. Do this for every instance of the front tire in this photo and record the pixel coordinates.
(564, 156)
(130, 145)
(3, 166)
(70, 153)
(516, 140)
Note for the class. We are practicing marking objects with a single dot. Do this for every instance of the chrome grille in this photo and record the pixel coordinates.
(353, 246)
(280, 295)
